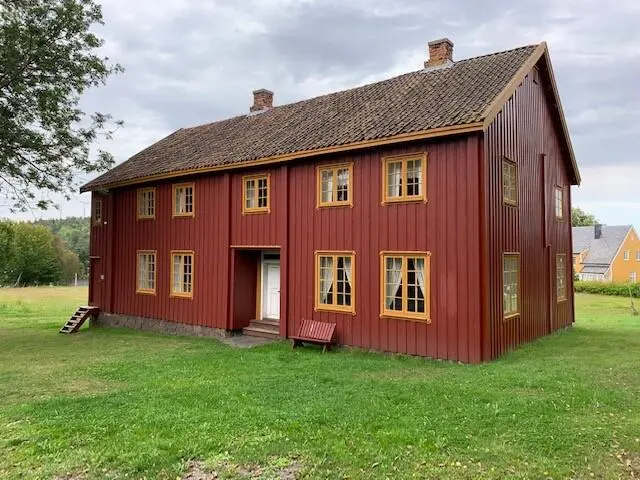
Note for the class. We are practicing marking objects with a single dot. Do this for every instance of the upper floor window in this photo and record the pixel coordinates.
(255, 194)
(637, 255)
(561, 277)
(405, 285)
(509, 182)
(146, 203)
(627, 253)
(182, 274)
(183, 200)
(335, 185)
(335, 281)
(404, 178)
(146, 272)
(510, 284)
(96, 214)
(559, 203)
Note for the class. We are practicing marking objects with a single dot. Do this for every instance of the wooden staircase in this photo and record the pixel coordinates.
(77, 319)
(262, 328)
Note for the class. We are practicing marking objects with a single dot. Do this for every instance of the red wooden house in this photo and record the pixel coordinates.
(426, 214)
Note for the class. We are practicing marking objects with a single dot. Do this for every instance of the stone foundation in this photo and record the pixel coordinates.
(155, 325)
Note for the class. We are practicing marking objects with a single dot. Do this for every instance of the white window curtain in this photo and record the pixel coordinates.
(329, 187)
(394, 173)
(177, 273)
(419, 264)
(343, 181)
(394, 279)
(142, 271)
(327, 279)
(347, 269)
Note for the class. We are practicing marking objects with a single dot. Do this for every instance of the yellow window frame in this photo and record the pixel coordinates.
(255, 196)
(144, 206)
(405, 314)
(174, 204)
(559, 209)
(96, 211)
(182, 253)
(334, 168)
(334, 307)
(141, 290)
(508, 164)
(513, 313)
(561, 274)
(404, 159)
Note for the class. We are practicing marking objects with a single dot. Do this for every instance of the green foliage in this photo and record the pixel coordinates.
(117, 403)
(580, 218)
(74, 231)
(603, 288)
(33, 255)
(48, 54)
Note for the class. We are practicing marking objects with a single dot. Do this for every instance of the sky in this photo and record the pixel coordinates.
(190, 62)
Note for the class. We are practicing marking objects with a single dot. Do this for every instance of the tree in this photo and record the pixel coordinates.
(580, 218)
(35, 259)
(49, 59)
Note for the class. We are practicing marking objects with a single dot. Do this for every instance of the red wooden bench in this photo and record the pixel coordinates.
(312, 331)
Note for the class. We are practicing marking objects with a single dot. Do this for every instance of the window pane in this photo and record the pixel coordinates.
(177, 273)
(414, 177)
(326, 188)
(510, 280)
(249, 194)
(263, 192)
(394, 179)
(326, 280)
(393, 283)
(343, 185)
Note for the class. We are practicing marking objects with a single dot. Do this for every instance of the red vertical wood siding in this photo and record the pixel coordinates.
(524, 131)
(447, 225)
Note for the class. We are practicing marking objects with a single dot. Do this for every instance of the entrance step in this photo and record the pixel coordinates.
(262, 328)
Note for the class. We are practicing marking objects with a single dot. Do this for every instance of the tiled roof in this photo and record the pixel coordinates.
(601, 250)
(418, 101)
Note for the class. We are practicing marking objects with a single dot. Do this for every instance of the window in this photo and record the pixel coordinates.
(335, 281)
(146, 272)
(559, 203)
(626, 255)
(561, 276)
(255, 194)
(335, 187)
(96, 215)
(183, 200)
(637, 255)
(404, 178)
(633, 277)
(510, 284)
(509, 182)
(405, 285)
(147, 203)
(182, 274)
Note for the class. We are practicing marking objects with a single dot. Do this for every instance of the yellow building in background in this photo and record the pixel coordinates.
(606, 253)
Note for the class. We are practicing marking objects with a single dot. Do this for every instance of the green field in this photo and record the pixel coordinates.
(109, 403)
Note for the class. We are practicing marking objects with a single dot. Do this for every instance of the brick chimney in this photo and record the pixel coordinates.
(262, 100)
(440, 52)
(597, 230)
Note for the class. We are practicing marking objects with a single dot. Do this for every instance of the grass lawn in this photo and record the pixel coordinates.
(110, 403)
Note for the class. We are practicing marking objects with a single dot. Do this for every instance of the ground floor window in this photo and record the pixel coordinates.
(335, 281)
(146, 271)
(633, 277)
(511, 284)
(561, 276)
(405, 284)
(182, 274)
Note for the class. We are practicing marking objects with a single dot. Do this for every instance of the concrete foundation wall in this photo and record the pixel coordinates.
(155, 325)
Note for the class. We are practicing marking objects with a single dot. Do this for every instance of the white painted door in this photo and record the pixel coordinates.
(271, 302)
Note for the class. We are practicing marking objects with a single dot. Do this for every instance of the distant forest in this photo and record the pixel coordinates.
(44, 252)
